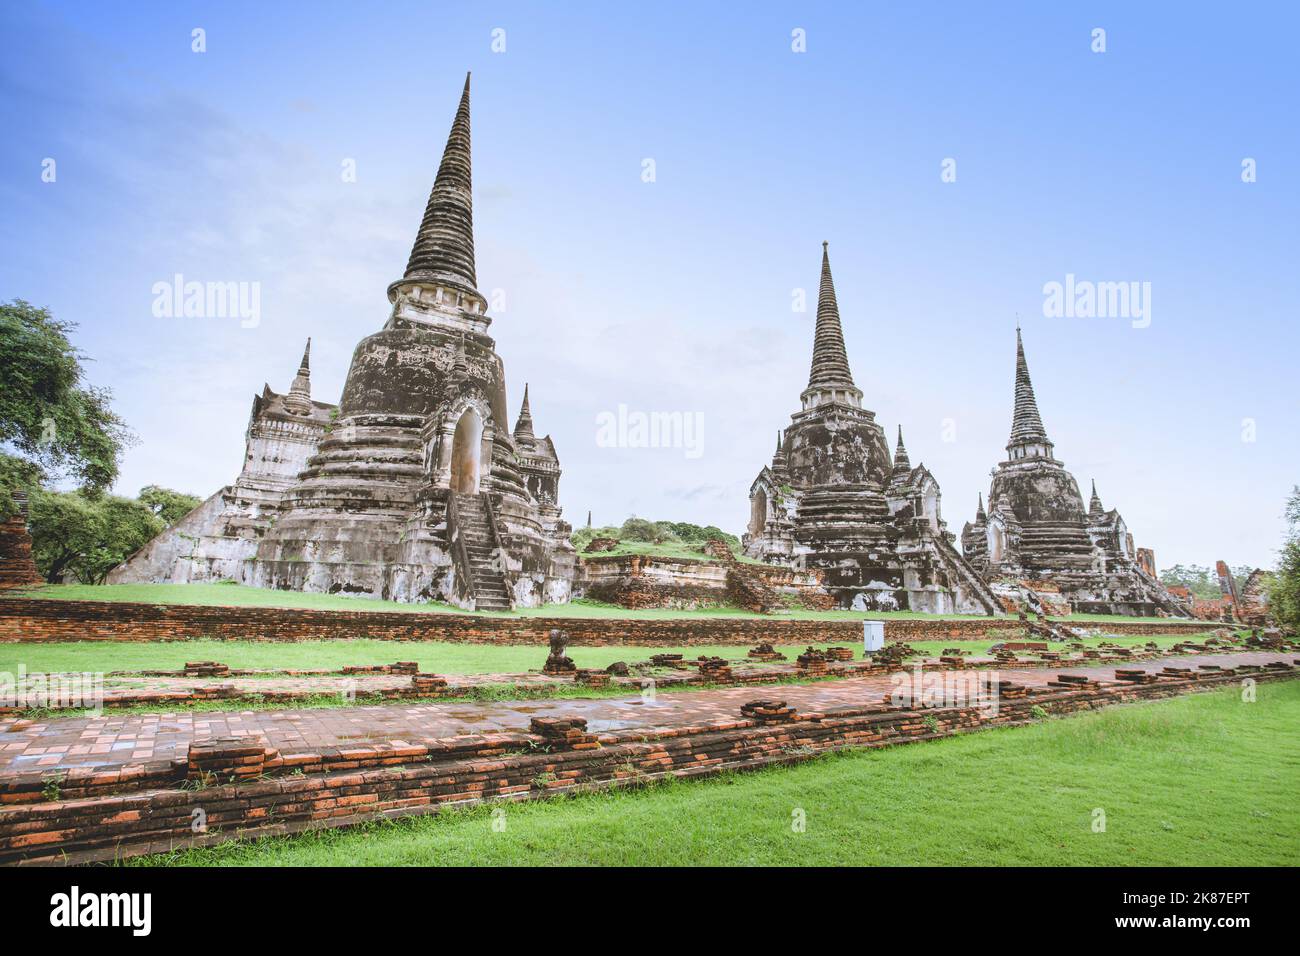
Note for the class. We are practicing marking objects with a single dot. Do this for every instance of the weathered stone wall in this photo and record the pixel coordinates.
(194, 549)
(641, 581)
(28, 619)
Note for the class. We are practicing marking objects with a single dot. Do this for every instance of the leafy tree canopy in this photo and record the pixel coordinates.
(655, 532)
(169, 505)
(17, 474)
(1202, 581)
(1284, 588)
(49, 415)
(86, 535)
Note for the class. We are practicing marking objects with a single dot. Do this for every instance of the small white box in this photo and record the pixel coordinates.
(873, 635)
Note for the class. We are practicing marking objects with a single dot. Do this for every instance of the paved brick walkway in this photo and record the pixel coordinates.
(112, 741)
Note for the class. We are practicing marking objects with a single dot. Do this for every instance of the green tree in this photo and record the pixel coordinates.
(638, 529)
(17, 474)
(1284, 588)
(1202, 581)
(582, 537)
(87, 535)
(49, 415)
(169, 505)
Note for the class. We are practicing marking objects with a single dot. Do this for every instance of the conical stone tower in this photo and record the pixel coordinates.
(1037, 533)
(833, 500)
(416, 493)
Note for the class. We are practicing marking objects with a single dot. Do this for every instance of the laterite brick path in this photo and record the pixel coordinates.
(113, 741)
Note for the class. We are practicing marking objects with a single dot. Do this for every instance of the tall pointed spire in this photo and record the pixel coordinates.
(444, 246)
(1026, 424)
(524, 425)
(830, 363)
(979, 509)
(298, 401)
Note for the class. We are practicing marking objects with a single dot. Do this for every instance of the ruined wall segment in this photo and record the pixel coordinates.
(216, 540)
(17, 569)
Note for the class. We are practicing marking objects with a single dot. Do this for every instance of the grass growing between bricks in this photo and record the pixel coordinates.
(1205, 780)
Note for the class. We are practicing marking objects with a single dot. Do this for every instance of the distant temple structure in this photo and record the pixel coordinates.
(1036, 543)
(412, 488)
(833, 500)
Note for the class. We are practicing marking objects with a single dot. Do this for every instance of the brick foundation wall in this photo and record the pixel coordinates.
(29, 620)
(90, 819)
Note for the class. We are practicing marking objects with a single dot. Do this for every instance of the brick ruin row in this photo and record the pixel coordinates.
(241, 786)
(413, 488)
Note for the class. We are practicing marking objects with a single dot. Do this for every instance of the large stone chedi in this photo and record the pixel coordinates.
(833, 500)
(1036, 536)
(414, 488)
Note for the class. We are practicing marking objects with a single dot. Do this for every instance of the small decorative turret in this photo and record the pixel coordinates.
(902, 464)
(298, 401)
(778, 457)
(1095, 509)
(980, 516)
(524, 425)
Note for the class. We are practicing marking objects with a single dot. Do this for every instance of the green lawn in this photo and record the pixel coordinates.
(240, 595)
(1203, 780)
(433, 656)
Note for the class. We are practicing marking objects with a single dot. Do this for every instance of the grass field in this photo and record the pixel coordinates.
(238, 595)
(433, 657)
(1204, 780)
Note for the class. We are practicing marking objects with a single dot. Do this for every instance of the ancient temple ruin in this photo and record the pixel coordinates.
(413, 488)
(833, 500)
(1037, 542)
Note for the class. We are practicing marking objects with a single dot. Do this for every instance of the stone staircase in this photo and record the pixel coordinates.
(745, 587)
(486, 578)
(956, 564)
(1159, 594)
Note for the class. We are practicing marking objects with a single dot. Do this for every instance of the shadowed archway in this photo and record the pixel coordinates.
(466, 447)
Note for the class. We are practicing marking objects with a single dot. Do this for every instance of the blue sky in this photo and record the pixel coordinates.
(676, 295)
